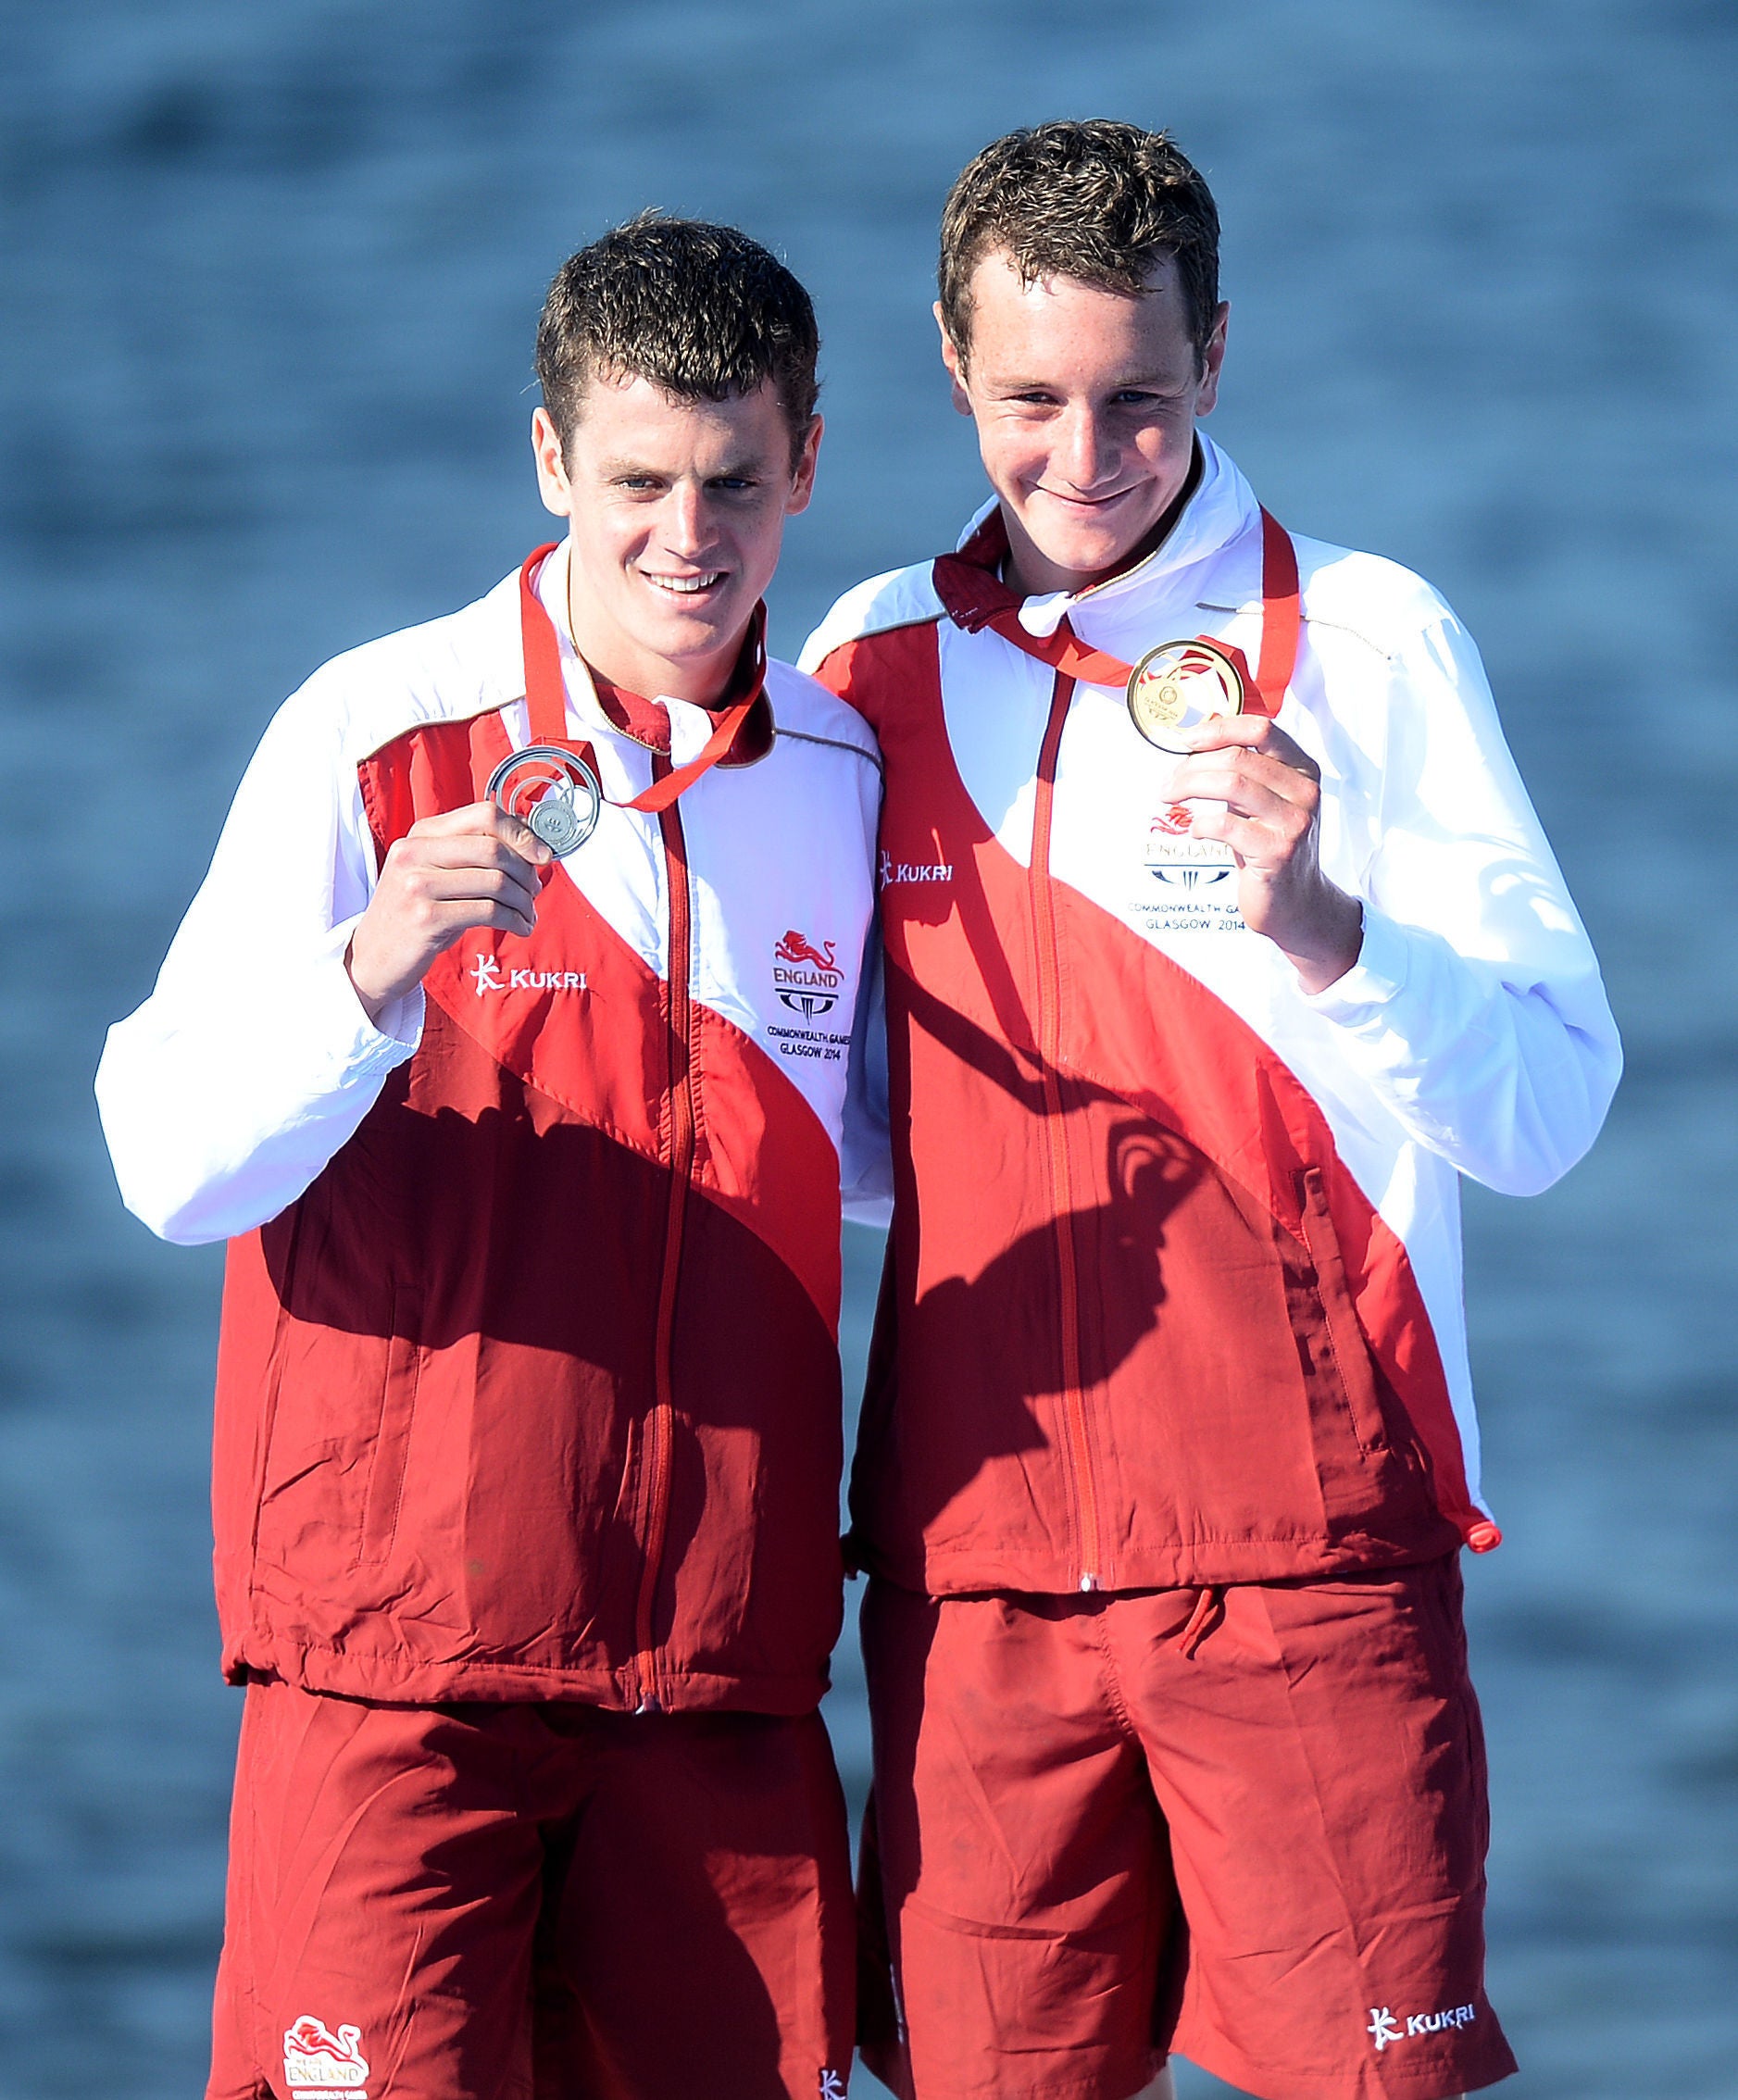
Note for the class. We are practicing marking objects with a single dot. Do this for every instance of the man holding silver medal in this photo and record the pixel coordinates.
(1216, 917)
(511, 1043)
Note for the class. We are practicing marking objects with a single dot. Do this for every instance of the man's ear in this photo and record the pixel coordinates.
(551, 468)
(803, 480)
(1211, 361)
(955, 363)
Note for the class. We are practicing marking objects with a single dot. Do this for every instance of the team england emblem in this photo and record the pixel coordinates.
(806, 977)
(1181, 862)
(317, 2061)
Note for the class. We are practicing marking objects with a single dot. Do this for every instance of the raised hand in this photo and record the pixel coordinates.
(470, 867)
(1268, 793)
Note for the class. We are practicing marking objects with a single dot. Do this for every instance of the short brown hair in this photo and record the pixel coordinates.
(700, 310)
(1096, 200)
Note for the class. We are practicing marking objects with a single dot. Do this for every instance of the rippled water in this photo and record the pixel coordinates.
(270, 275)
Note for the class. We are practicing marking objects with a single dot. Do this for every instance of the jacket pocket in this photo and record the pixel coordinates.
(281, 1324)
(1345, 1335)
(392, 1440)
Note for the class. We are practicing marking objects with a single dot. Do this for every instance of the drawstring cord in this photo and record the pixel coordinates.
(1209, 1608)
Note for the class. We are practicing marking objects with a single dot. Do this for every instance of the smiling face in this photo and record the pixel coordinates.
(1085, 402)
(676, 511)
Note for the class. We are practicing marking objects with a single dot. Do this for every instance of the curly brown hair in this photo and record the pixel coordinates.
(1095, 200)
(700, 310)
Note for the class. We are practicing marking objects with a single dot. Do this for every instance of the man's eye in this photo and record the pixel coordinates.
(636, 484)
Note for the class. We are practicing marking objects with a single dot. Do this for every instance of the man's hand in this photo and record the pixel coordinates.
(466, 868)
(1271, 793)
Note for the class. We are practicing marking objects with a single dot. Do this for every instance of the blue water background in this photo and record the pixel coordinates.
(270, 277)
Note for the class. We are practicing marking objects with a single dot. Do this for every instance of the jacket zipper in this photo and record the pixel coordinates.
(1078, 1445)
(660, 1422)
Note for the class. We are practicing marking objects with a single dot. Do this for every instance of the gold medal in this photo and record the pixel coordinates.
(1179, 685)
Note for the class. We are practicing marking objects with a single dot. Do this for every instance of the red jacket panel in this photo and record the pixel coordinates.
(1140, 1327)
(535, 1393)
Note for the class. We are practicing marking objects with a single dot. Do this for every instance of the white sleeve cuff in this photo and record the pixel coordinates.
(363, 1047)
(1374, 981)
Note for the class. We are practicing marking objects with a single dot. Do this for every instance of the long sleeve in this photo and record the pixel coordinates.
(1475, 1009)
(252, 1061)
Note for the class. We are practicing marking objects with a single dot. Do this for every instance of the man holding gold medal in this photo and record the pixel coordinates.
(1220, 939)
(509, 1041)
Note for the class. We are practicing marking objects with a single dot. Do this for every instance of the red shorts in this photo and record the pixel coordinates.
(1249, 1824)
(476, 1902)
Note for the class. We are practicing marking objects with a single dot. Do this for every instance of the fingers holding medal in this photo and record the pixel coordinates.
(553, 791)
(1253, 795)
(1242, 791)
(478, 867)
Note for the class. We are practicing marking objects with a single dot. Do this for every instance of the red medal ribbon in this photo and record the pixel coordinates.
(546, 694)
(976, 597)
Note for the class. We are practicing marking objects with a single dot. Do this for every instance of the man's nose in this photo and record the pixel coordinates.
(687, 520)
(1083, 451)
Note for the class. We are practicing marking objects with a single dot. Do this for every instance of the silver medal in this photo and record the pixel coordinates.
(553, 791)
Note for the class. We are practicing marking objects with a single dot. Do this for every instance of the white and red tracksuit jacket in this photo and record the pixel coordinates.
(1174, 1292)
(528, 1384)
